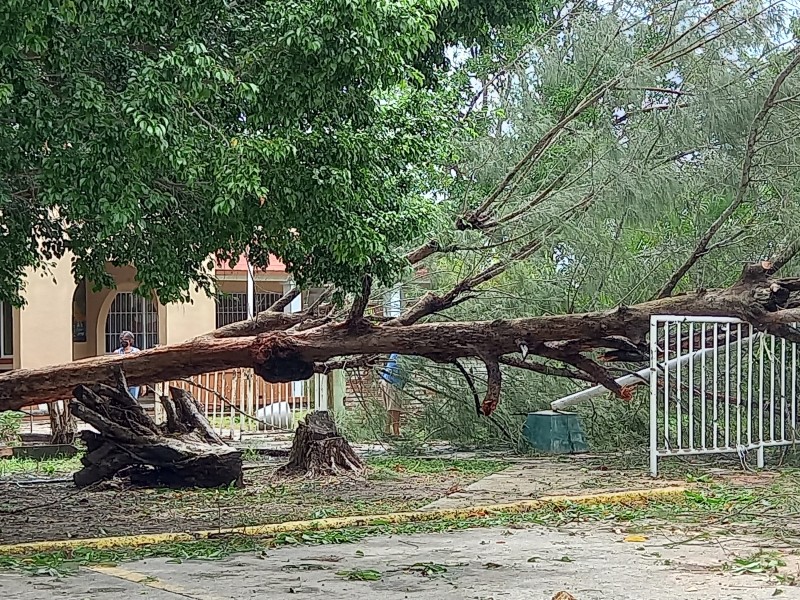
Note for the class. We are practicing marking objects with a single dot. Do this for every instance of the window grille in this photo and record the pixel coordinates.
(133, 313)
(232, 308)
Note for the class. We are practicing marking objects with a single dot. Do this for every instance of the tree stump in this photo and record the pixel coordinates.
(318, 450)
(183, 452)
(63, 428)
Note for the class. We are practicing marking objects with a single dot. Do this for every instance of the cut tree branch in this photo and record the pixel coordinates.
(789, 252)
(471, 384)
(360, 303)
(494, 384)
(285, 300)
(537, 367)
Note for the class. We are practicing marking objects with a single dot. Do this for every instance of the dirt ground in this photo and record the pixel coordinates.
(51, 511)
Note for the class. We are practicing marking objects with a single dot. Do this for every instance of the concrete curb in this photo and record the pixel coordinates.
(632, 497)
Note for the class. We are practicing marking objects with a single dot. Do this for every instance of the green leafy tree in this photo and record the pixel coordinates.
(159, 134)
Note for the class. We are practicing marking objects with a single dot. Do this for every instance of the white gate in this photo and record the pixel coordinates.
(718, 386)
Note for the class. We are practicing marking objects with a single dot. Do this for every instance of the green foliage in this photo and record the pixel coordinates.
(161, 134)
(30, 466)
(383, 466)
(10, 424)
(618, 198)
(657, 158)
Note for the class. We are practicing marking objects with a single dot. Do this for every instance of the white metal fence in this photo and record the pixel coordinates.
(719, 386)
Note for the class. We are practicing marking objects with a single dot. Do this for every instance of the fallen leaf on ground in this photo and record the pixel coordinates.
(428, 569)
(330, 558)
(361, 575)
(304, 567)
(636, 538)
(564, 596)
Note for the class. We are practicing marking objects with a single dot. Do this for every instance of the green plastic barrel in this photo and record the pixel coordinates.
(555, 432)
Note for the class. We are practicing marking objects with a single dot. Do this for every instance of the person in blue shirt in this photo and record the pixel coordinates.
(392, 383)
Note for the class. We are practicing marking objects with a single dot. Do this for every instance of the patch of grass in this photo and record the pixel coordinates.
(31, 466)
(10, 424)
(250, 455)
(62, 563)
(394, 465)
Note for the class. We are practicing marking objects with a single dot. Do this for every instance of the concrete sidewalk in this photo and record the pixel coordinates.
(485, 564)
(534, 478)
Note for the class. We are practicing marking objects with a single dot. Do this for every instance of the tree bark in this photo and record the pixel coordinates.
(63, 427)
(292, 355)
(318, 450)
(184, 452)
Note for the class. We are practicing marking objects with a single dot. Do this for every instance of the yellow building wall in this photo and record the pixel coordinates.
(188, 320)
(43, 330)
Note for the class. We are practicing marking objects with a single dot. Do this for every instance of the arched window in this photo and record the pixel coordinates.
(133, 313)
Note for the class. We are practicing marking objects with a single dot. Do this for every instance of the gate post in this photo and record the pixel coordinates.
(653, 396)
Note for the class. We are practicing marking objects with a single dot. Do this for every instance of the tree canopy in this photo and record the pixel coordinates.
(158, 134)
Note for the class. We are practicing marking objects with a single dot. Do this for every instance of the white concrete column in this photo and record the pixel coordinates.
(393, 302)
(251, 292)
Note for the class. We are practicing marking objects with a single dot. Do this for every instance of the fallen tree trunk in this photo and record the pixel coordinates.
(184, 452)
(319, 450)
(292, 355)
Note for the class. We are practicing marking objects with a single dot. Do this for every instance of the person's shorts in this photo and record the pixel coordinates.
(392, 396)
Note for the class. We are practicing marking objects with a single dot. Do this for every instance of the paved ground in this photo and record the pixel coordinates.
(491, 564)
(535, 478)
(531, 478)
